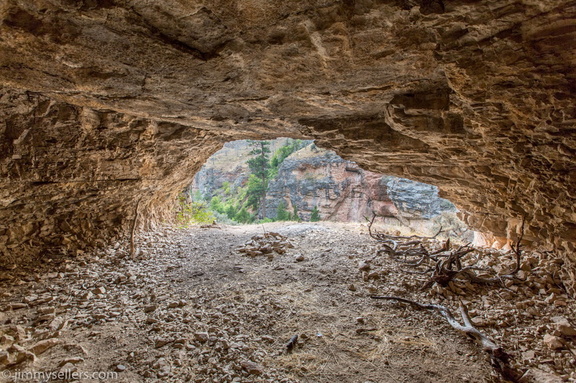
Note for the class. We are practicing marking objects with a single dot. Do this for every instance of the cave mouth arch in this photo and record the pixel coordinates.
(302, 182)
(123, 91)
(76, 177)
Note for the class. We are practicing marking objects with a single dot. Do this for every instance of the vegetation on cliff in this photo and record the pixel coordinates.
(245, 203)
(293, 180)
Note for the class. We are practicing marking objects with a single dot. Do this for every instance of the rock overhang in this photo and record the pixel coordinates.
(476, 97)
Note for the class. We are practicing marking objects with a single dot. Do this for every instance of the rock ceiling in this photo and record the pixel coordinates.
(107, 102)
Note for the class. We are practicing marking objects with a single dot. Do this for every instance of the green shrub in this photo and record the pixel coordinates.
(191, 212)
(244, 217)
(315, 216)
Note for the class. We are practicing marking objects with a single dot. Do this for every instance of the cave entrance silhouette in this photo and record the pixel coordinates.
(255, 181)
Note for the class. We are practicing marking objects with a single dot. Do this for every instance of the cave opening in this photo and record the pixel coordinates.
(263, 181)
(108, 108)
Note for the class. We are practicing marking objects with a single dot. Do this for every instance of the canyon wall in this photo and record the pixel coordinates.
(342, 191)
(105, 102)
(314, 177)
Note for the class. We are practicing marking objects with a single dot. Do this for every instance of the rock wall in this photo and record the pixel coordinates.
(474, 96)
(229, 164)
(72, 176)
(344, 192)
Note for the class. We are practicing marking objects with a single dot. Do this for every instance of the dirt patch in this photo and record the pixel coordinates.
(194, 308)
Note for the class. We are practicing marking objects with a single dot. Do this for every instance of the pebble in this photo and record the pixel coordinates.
(99, 290)
(252, 368)
(202, 337)
(364, 266)
(71, 360)
(563, 326)
(553, 342)
(17, 306)
(150, 308)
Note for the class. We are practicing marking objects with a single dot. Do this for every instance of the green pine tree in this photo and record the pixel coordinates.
(315, 216)
(281, 213)
(295, 216)
(258, 180)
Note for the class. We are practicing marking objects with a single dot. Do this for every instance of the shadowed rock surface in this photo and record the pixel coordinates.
(104, 102)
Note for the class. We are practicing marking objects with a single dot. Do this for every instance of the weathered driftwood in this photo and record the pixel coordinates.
(133, 230)
(499, 358)
(445, 264)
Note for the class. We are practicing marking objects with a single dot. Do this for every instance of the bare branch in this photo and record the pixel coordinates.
(500, 359)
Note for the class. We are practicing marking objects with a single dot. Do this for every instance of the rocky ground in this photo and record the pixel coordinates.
(215, 305)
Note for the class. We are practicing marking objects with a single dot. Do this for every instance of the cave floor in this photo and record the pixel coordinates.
(192, 308)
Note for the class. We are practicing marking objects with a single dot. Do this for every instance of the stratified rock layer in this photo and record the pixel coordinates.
(342, 191)
(104, 99)
(73, 176)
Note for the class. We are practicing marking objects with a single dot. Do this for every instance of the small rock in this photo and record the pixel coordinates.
(68, 368)
(30, 298)
(360, 320)
(87, 296)
(351, 287)
(150, 308)
(120, 368)
(6, 340)
(482, 322)
(563, 326)
(267, 338)
(17, 306)
(46, 310)
(4, 358)
(202, 337)
(20, 354)
(529, 354)
(99, 290)
(252, 368)
(162, 367)
(161, 342)
(43, 346)
(553, 342)
(536, 375)
(373, 275)
(363, 266)
(46, 318)
(71, 360)
(299, 258)
(59, 323)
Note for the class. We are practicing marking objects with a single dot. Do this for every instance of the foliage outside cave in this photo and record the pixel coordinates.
(246, 203)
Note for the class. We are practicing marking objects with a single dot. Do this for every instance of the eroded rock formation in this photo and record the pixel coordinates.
(314, 177)
(344, 192)
(105, 102)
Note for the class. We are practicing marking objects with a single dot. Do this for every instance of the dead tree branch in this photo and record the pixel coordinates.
(499, 358)
(445, 264)
(133, 230)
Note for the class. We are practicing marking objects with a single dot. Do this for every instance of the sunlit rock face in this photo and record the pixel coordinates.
(476, 97)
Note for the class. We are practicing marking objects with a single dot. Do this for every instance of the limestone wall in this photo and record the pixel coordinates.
(102, 98)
